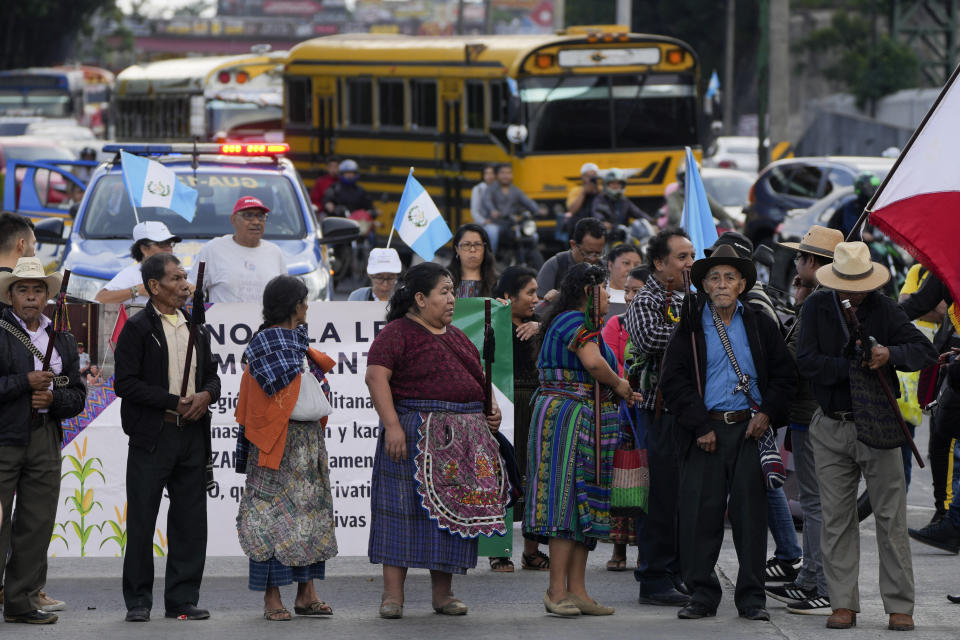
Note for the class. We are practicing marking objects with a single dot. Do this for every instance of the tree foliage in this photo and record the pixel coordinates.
(42, 32)
(870, 65)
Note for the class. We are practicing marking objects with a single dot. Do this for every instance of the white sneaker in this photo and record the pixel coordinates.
(48, 604)
(815, 606)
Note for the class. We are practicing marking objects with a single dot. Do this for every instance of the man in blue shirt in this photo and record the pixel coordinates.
(717, 435)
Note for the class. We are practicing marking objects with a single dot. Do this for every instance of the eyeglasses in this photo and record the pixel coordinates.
(166, 244)
(252, 214)
(596, 255)
(384, 279)
(470, 246)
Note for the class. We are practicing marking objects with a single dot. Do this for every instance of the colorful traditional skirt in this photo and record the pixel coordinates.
(427, 510)
(564, 498)
(286, 514)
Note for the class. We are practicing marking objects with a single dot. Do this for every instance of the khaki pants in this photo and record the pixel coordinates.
(33, 472)
(841, 460)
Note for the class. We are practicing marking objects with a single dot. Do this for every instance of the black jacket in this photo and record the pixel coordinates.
(823, 337)
(141, 376)
(352, 196)
(16, 362)
(776, 372)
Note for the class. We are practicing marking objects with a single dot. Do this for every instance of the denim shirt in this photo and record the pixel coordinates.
(718, 393)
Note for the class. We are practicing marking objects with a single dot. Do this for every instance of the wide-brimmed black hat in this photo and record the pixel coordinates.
(723, 254)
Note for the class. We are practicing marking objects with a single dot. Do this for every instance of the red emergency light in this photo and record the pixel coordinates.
(255, 148)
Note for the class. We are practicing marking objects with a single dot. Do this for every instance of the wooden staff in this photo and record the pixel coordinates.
(488, 354)
(58, 310)
(196, 316)
(597, 403)
(666, 318)
(865, 343)
(693, 336)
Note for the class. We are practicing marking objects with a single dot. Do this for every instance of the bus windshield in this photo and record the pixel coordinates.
(110, 215)
(603, 112)
(224, 116)
(35, 102)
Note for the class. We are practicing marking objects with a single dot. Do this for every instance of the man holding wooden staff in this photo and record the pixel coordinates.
(169, 431)
(727, 379)
(39, 387)
(856, 430)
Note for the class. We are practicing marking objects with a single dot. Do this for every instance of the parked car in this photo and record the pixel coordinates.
(729, 187)
(734, 152)
(98, 245)
(796, 183)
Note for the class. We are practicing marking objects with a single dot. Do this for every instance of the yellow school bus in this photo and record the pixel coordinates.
(447, 106)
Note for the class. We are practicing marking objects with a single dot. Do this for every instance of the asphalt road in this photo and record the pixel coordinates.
(501, 605)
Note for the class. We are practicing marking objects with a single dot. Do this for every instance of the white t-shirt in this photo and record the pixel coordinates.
(235, 273)
(127, 278)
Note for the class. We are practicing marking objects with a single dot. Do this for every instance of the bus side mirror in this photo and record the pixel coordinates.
(517, 133)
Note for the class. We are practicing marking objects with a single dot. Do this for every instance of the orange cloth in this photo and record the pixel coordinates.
(265, 418)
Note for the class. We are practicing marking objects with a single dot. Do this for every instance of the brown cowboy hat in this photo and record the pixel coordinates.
(723, 254)
(852, 271)
(821, 241)
(29, 269)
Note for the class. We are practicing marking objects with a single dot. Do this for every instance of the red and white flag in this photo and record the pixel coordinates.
(118, 327)
(918, 205)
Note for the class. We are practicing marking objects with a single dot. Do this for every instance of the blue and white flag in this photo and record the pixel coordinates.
(150, 184)
(713, 87)
(418, 221)
(697, 218)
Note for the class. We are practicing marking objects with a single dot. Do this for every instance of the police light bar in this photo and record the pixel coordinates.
(231, 148)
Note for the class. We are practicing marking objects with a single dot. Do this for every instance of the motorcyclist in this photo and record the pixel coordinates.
(503, 199)
(346, 192)
(611, 205)
(676, 196)
(864, 185)
(581, 198)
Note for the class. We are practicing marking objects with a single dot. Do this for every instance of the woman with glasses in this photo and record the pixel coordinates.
(473, 267)
(149, 237)
(384, 269)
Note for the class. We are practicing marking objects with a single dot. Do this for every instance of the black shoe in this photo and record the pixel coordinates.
(138, 614)
(756, 613)
(938, 515)
(32, 617)
(782, 570)
(679, 585)
(669, 597)
(695, 611)
(815, 606)
(942, 535)
(188, 612)
(953, 599)
(790, 593)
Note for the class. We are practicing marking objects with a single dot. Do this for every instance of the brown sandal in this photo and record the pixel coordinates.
(538, 561)
(614, 564)
(276, 615)
(501, 565)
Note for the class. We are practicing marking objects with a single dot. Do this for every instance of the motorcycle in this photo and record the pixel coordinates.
(519, 241)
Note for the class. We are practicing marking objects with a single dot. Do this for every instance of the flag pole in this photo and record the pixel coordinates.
(393, 227)
(916, 132)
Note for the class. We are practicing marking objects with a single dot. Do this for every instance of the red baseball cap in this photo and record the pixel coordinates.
(249, 202)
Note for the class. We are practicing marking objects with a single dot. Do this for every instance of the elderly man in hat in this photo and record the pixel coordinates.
(830, 357)
(239, 265)
(32, 404)
(805, 592)
(727, 377)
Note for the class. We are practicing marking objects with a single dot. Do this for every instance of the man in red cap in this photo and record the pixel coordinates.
(240, 265)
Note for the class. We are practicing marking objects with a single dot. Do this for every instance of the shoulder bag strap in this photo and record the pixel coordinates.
(744, 384)
(16, 332)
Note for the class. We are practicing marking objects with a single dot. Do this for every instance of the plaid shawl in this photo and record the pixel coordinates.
(275, 356)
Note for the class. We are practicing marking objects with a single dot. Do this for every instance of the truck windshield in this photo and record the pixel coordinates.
(602, 112)
(110, 214)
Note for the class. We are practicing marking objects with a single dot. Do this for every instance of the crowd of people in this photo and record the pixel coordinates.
(613, 350)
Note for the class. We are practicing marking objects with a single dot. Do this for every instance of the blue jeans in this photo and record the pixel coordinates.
(781, 526)
(954, 510)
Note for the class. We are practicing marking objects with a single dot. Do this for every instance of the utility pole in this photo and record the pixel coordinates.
(460, 17)
(559, 17)
(488, 16)
(728, 65)
(625, 13)
(778, 42)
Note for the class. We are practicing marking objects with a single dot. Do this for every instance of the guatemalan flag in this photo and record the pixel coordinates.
(918, 205)
(150, 184)
(418, 221)
(697, 219)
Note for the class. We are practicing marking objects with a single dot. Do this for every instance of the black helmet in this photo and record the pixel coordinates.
(865, 185)
(88, 153)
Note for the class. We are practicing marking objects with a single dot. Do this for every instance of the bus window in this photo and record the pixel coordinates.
(423, 104)
(391, 103)
(656, 111)
(475, 111)
(499, 103)
(298, 101)
(553, 103)
(360, 101)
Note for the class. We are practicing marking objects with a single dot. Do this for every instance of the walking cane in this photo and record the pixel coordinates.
(489, 348)
(597, 405)
(197, 316)
(865, 341)
(687, 299)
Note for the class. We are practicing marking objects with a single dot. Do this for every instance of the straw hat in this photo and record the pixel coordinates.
(818, 240)
(29, 269)
(723, 254)
(852, 271)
